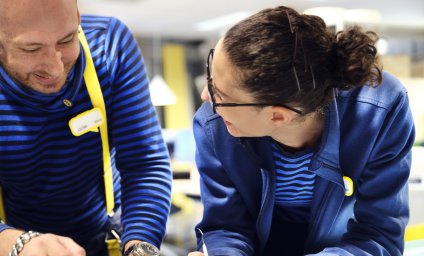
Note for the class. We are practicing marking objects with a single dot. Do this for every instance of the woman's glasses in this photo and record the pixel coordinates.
(230, 104)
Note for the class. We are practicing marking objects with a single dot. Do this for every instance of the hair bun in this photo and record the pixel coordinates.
(354, 60)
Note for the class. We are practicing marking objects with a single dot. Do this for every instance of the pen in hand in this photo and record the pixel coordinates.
(205, 250)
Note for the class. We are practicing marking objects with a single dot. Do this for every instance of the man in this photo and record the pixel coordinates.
(52, 181)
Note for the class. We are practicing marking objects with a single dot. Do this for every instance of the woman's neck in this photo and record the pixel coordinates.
(302, 134)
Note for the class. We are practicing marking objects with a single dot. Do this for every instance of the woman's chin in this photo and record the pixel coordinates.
(233, 132)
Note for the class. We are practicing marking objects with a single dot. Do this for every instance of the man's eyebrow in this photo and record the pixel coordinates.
(73, 33)
(40, 44)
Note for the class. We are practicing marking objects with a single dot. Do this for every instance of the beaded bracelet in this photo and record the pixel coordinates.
(21, 241)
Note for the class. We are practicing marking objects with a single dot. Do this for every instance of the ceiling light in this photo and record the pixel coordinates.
(382, 46)
(160, 92)
(332, 15)
(221, 22)
(362, 15)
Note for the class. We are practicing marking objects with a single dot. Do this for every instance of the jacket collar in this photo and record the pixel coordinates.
(326, 162)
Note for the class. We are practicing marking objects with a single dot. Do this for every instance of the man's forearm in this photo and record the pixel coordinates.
(7, 240)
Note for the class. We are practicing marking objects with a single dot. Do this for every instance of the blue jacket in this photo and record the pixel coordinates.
(368, 137)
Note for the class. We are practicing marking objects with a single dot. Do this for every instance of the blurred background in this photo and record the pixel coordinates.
(175, 37)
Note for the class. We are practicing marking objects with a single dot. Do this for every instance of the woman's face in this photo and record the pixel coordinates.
(241, 121)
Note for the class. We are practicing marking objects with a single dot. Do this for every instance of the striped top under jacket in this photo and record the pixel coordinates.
(52, 181)
(294, 182)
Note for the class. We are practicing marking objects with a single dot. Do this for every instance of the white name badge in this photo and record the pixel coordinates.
(88, 121)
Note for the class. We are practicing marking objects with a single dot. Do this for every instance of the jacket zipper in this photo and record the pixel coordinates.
(259, 227)
(314, 226)
(329, 191)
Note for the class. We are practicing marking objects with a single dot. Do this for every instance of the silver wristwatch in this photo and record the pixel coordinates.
(143, 249)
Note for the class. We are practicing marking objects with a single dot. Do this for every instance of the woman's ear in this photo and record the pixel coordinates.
(281, 116)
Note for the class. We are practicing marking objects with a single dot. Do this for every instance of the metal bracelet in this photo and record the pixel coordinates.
(21, 241)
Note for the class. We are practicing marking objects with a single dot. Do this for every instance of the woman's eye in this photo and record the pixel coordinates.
(218, 96)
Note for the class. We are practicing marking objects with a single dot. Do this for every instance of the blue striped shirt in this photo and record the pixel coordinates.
(294, 182)
(52, 181)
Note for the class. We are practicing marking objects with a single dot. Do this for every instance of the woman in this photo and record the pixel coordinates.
(305, 147)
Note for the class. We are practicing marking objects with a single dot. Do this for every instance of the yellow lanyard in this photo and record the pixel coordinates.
(96, 96)
(2, 213)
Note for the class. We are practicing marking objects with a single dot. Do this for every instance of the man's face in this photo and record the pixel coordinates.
(39, 42)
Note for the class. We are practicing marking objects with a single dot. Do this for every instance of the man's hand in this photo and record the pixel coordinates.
(49, 245)
(195, 254)
(43, 245)
(130, 243)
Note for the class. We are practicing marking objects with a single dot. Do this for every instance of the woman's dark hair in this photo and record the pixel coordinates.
(285, 57)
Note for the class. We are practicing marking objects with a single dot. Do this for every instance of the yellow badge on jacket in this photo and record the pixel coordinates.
(348, 184)
(88, 121)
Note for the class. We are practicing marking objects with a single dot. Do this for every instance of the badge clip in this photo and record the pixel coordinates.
(88, 121)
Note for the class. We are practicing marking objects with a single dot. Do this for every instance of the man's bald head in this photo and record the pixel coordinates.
(17, 14)
(4, 16)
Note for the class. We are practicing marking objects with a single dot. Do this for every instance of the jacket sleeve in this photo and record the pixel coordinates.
(141, 154)
(381, 210)
(228, 228)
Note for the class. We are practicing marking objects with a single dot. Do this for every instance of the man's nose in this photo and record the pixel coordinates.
(52, 62)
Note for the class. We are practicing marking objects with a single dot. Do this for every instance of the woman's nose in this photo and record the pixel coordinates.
(205, 94)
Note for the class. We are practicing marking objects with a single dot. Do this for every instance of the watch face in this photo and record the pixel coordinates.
(146, 249)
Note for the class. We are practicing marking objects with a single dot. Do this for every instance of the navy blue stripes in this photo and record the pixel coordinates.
(52, 180)
(294, 183)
